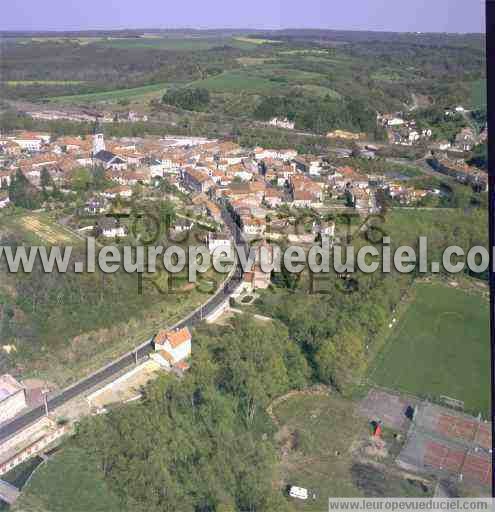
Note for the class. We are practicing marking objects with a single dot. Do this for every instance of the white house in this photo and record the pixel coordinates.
(109, 227)
(120, 191)
(173, 346)
(29, 142)
(282, 123)
(396, 121)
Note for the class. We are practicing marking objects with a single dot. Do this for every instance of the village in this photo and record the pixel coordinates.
(265, 191)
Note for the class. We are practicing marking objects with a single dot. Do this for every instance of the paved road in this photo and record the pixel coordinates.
(141, 351)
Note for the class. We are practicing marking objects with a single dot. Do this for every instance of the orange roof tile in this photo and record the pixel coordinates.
(175, 338)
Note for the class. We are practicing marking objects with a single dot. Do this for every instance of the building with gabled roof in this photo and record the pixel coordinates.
(175, 345)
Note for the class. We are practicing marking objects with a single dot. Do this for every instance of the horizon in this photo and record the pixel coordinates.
(421, 16)
(233, 29)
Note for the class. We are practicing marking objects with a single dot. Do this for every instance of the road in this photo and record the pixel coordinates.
(84, 385)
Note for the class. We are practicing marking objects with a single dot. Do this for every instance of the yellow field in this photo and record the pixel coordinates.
(15, 83)
(78, 40)
(256, 41)
(46, 231)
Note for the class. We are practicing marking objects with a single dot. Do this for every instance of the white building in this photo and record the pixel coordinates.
(282, 123)
(29, 142)
(396, 121)
(12, 397)
(173, 346)
(98, 143)
(110, 227)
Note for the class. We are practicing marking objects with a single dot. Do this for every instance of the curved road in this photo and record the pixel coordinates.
(60, 398)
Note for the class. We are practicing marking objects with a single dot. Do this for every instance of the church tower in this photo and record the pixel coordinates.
(98, 140)
(98, 143)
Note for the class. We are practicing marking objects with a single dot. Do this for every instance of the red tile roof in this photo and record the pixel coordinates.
(175, 338)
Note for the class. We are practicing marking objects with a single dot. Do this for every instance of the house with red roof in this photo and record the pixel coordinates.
(173, 346)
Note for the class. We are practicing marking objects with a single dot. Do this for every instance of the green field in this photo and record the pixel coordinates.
(317, 90)
(479, 94)
(236, 81)
(441, 346)
(179, 44)
(68, 481)
(112, 96)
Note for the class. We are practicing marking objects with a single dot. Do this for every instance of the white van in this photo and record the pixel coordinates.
(298, 492)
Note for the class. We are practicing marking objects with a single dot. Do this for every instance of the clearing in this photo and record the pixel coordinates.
(327, 448)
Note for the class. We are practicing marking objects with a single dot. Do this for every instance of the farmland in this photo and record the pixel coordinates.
(236, 82)
(440, 347)
(115, 95)
(20, 83)
(243, 68)
(38, 229)
(178, 44)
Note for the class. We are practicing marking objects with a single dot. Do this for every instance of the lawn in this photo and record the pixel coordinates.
(115, 95)
(322, 444)
(70, 480)
(441, 346)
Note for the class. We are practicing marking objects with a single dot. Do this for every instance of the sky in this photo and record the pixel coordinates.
(380, 15)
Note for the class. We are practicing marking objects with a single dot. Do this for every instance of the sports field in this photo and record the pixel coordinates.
(441, 346)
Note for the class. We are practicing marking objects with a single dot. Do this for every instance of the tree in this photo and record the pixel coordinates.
(22, 193)
(45, 178)
(81, 179)
(188, 98)
(340, 360)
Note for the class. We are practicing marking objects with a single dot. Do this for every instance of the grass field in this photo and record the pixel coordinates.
(68, 481)
(317, 90)
(440, 347)
(479, 94)
(112, 96)
(323, 449)
(236, 81)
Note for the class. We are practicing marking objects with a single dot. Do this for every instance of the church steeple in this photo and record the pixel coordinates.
(98, 139)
